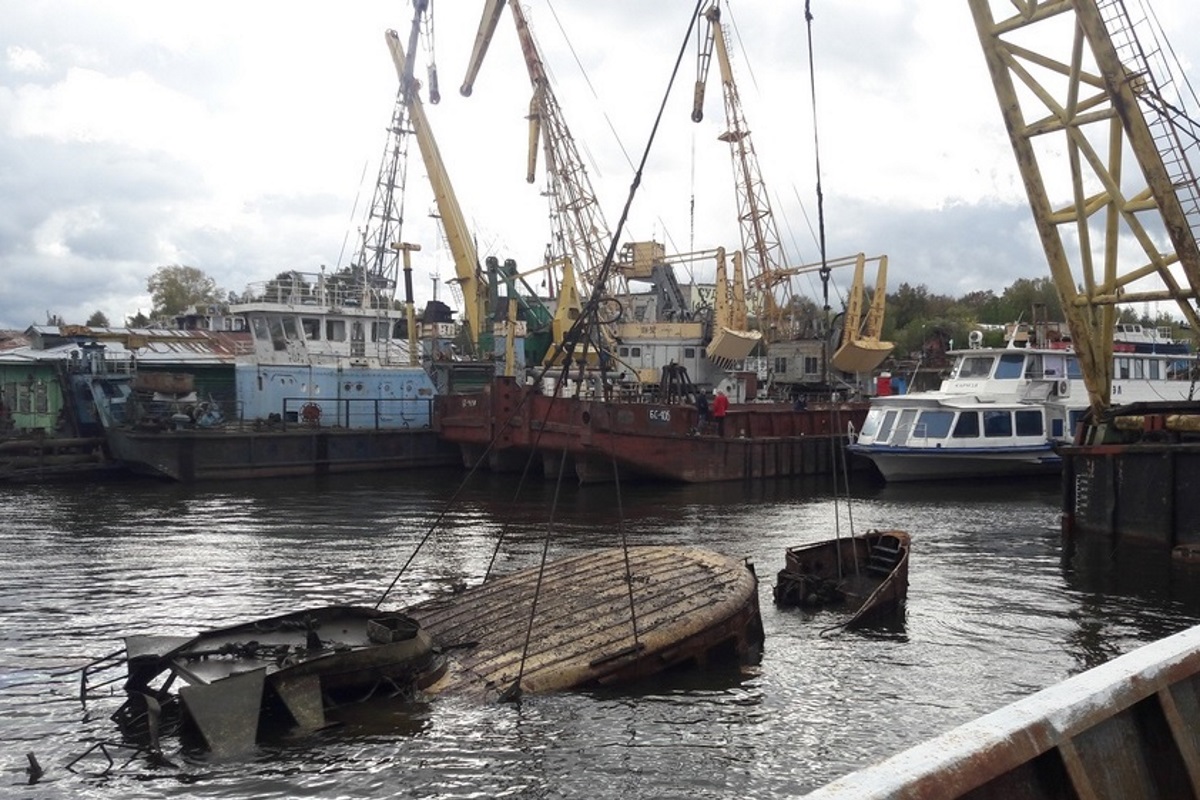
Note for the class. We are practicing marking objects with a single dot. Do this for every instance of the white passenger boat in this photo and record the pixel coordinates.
(1002, 411)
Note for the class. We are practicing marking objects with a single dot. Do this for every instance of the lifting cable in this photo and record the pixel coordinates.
(587, 323)
(812, 87)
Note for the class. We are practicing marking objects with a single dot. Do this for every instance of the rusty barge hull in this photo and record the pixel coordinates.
(693, 607)
(239, 454)
(1128, 728)
(599, 439)
(1136, 478)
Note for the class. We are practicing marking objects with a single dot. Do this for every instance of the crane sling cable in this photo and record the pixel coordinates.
(812, 88)
(591, 311)
(573, 335)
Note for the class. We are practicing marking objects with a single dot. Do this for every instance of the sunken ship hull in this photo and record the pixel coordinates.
(508, 423)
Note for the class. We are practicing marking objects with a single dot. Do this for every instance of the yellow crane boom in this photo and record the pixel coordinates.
(458, 237)
(1099, 98)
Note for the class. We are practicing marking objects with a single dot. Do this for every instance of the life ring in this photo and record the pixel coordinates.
(310, 413)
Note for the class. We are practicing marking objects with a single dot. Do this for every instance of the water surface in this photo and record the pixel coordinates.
(995, 612)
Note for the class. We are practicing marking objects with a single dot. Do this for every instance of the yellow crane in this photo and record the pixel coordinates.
(458, 237)
(770, 287)
(581, 234)
(1075, 77)
(770, 279)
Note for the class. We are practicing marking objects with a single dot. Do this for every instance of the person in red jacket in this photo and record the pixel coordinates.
(719, 407)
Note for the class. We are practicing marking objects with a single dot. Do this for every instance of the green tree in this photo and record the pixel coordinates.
(176, 288)
(97, 320)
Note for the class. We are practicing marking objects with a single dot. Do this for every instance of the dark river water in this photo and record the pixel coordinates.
(995, 612)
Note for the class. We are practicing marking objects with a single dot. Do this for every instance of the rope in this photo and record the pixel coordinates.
(514, 692)
(812, 85)
(588, 319)
(637, 645)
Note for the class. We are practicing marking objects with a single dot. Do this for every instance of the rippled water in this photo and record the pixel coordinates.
(994, 613)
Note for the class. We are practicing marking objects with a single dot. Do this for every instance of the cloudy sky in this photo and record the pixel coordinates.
(244, 138)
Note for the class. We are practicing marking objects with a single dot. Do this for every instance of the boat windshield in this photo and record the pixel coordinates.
(1011, 365)
(885, 427)
(975, 367)
(871, 423)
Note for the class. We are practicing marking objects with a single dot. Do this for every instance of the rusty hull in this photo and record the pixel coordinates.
(637, 439)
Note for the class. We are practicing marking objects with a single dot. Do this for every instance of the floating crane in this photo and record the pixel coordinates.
(770, 288)
(1126, 235)
(580, 232)
(462, 246)
(770, 280)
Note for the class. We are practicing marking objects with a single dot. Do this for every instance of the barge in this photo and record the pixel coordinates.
(597, 439)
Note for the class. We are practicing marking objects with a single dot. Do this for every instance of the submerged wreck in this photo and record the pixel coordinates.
(866, 575)
(604, 618)
(271, 675)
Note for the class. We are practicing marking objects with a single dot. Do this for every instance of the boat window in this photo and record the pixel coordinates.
(905, 425)
(261, 332)
(934, 424)
(689, 352)
(623, 351)
(812, 365)
(1054, 366)
(1029, 423)
(1011, 364)
(1139, 367)
(967, 426)
(885, 427)
(997, 423)
(1122, 370)
(289, 328)
(379, 331)
(635, 352)
(871, 423)
(278, 339)
(1056, 428)
(1073, 370)
(1155, 371)
(975, 367)
(335, 330)
(312, 328)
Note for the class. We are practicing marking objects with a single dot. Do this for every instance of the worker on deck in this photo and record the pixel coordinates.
(719, 407)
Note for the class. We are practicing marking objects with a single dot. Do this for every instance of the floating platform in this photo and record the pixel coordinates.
(245, 453)
(692, 607)
(1136, 477)
(1128, 728)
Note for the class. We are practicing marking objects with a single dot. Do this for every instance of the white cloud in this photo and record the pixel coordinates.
(233, 137)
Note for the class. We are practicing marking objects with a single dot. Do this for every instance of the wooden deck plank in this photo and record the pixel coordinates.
(582, 632)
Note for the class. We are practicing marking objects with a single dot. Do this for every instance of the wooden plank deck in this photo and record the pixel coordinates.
(691, 604)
